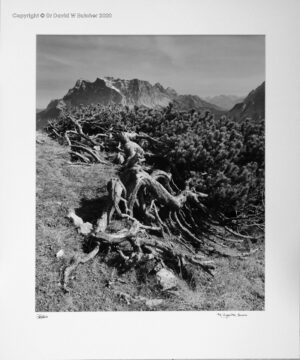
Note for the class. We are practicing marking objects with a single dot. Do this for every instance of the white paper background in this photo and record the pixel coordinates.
(273, 333)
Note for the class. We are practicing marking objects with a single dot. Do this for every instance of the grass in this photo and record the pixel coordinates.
(237, 285)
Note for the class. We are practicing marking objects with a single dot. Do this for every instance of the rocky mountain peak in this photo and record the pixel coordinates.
(253, 106)
(135, 92)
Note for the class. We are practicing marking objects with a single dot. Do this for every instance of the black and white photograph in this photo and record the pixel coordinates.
(150, 173)
(149, 198)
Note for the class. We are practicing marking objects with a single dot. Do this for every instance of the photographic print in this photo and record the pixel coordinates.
(150, 173)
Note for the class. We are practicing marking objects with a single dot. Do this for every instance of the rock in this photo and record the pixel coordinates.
(166, 279)
(60, 254)
(153, 302)
(85, 228)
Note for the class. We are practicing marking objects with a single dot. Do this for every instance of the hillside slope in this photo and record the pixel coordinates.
(237, 285)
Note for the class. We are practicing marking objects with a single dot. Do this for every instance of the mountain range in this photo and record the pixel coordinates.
(135, 92)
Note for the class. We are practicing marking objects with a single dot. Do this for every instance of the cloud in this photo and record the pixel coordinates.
(204, 64)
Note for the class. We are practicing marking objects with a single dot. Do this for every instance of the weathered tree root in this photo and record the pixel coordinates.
(83, 228)
(241, 235)
(129, 299)
(151, 203)
(75, 262)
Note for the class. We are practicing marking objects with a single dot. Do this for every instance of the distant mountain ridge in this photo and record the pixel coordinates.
(225, 102)
(135, 92)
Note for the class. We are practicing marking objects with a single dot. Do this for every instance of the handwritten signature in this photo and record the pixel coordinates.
(41, 316)
(229, 315)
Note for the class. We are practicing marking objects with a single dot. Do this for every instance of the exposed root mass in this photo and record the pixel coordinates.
(162, 223)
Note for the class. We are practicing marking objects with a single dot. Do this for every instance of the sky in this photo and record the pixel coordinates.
(203, 65)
